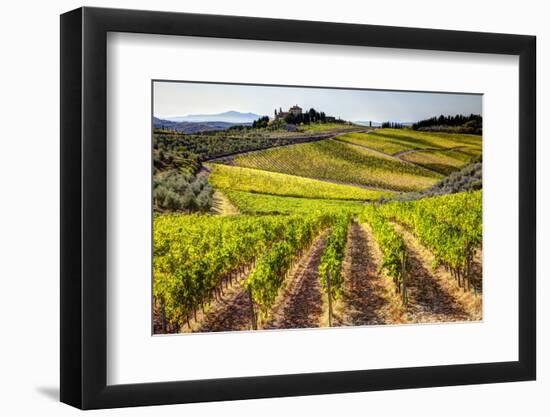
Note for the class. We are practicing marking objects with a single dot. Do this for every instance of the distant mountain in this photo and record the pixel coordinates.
(228, 116)
(193, 127)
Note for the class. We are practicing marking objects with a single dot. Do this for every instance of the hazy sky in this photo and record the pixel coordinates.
(180, 99)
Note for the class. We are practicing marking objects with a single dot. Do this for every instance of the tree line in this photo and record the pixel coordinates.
(392, 125)
(311, 116)
(455, 124)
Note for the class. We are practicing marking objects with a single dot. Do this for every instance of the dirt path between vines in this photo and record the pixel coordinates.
(401, 153)
(434, 295)
(368, 295)
(300, 305)
(222, 206)
(228, 314)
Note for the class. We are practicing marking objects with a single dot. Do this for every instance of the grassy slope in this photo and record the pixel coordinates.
(265, 182)
(337, 161)
(321, 127)
(251, 203)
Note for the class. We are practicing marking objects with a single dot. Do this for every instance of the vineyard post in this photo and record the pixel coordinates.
(404, 276)
(469, 271)
(329, 300)
(467, 274)
(252, 312)
(163, 315)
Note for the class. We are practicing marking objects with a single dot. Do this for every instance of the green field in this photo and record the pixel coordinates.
(375, 141)
(421, 140)
(336, 161)
(393, 141)
(265, 182)
(251, 203)
(322, 127)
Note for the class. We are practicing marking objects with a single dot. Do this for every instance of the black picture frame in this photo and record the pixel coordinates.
(84, 207)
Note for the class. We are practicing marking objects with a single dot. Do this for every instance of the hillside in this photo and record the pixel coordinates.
(468, 178)
(329, 225)
(333, 160)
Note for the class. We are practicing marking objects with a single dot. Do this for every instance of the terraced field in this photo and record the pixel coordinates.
(333, 160)
(236, 178)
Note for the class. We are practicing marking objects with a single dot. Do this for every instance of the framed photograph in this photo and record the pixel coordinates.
(256, 208)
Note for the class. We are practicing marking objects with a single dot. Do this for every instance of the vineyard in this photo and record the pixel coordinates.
(392, 246)
(337, 161)
(450, 226)
(423, 140)
(252, 203)
(442, 154)
(196, 257)
(274, 183)
(313, 237)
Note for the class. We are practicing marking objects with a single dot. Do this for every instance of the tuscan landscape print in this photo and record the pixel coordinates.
(295, 207)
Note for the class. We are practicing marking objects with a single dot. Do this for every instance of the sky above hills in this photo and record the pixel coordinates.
(173, 99)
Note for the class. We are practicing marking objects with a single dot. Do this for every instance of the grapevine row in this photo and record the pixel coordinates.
(330, 268)
(450, 226)
(272, 267)
(333, 256)
(196, 256)
(392, 246)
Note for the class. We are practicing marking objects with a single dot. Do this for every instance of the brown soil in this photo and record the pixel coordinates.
(368, 295)
(233, 313)
(368, 298)
(300, 304)
(434, 295)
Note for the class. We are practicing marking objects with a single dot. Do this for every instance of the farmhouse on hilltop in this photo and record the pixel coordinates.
(294, 110)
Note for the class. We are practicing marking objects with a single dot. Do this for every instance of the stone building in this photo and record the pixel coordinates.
(294, 110)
